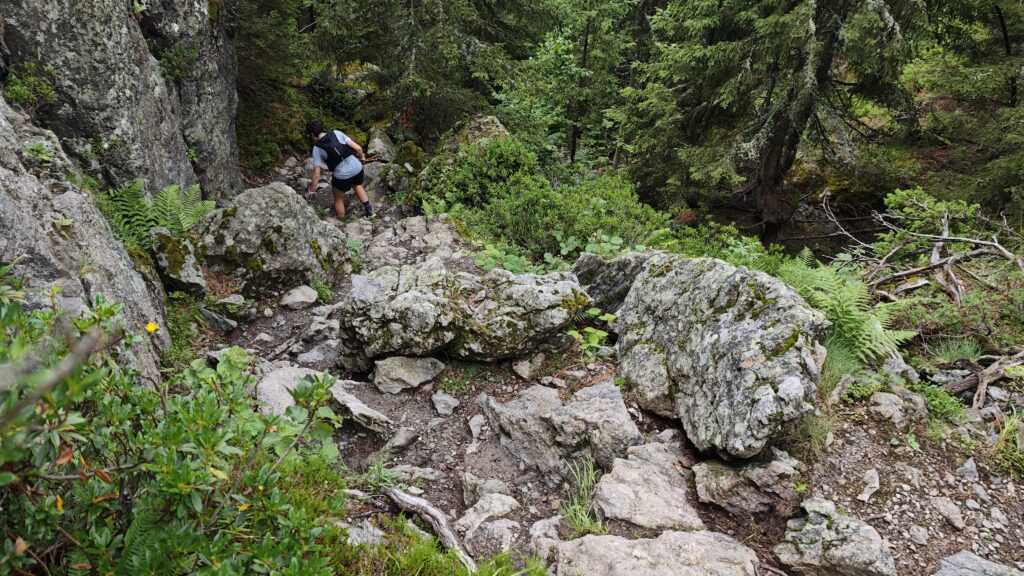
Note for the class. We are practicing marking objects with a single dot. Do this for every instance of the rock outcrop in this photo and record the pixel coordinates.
(647, 489)
(671, 554)
(424, 308)
(179, 262)
(827, 543)
(751, 489)
(274, 398)
(139, 90)
(608, 281)
(61, 240)
(970, 564)
(543, 432)
(271, 238)
(732, 353)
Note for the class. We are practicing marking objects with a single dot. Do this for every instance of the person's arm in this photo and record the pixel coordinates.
(359, 149)
(314, 179)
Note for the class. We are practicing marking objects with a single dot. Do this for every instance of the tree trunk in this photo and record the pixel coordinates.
(1008, 48)
(788, 125)
(579, 108)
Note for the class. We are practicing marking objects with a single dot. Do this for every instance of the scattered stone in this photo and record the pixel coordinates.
(407, 473)
(299, 298)
(474, 487)
(263, 338)
(268, 313)
(552, 381)
(445, 404)
(476, 425)
(402, 439)
(544, 538)
(361, 413)
(320, 329)
(999, 517)
(179, 261)
(871, 485)
(324, 352)
(488, 506)
(647, 489)
(700, 336)
(825, 543)
(751, 489)
(900, 407)
(363, 534)
(492, 538)
(969, 470)
(392, 375)
(216, 322)
(950, 511)
(232, 300)
(919, 535)
(526, 368)
(542, 431)
(969, 564)
(699, 553)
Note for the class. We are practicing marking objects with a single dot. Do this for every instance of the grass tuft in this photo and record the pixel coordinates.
(579, 510)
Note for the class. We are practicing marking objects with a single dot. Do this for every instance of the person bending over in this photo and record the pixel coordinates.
(343, 157)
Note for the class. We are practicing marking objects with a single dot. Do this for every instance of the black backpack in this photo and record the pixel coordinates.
(336, 151)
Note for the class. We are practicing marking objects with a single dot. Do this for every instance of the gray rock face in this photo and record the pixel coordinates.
(83, 259)
(179, 261)
(380, 145)
(424, 308)
(901, 406)
(543, 432)
(732, 353)
(648, 490)
(826, 543)
(111, 88)
(474, 487)
(392, 375)
(608, 281)
(413, 240)
(750, 489)
(671, 554)
(969, 564)
(270, 237)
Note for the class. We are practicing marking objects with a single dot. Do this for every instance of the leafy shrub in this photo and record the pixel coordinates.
(323, 290)
(103, 474)
(941, 404)
(178, 62)
(31, 87)
(132, 216)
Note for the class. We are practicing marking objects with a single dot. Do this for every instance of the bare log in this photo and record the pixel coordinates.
(435, 518)
(981, 380)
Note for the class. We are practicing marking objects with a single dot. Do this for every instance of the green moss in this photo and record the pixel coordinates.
(176, 254)
(270, 245)
(140, 258)
(785, 345)
(230, 211)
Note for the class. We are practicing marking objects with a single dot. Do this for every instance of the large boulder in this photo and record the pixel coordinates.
(969, 564)
(60, 240)
(118, 108)
(732, 353)
(543, 432)
(179, 261)
(827, 543)
(425, 308)
(416, 239)
(647, 489)
(608, 281)
(670, 554)
(271, 238)
(751, 489)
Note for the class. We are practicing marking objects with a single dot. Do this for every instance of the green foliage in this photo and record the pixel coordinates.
(498, 190)
(857, 326)
(39, 151)
(31, 86)
(1008, 451)
(323, 290)
(183, 323)
(178, 62)
(954, 349)
(132, 216)
(863, 388)
(941, 405)
(127, 478)
(578, 510)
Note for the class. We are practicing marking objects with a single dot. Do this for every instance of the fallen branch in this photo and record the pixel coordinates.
(981, 380)
(435, 518)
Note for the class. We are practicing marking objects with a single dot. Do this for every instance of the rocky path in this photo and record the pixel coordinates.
(464, 390)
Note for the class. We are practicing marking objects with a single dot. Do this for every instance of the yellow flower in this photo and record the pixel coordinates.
(152, 327)
(60, 504)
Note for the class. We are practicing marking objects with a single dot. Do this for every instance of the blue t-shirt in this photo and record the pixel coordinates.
(348, 167)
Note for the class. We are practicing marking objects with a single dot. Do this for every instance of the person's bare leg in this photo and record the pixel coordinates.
(361, 193)
(339, 202)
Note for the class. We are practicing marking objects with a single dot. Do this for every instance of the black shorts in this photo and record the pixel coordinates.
(346, 184)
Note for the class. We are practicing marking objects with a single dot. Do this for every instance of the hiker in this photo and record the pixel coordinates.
(343, 157)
